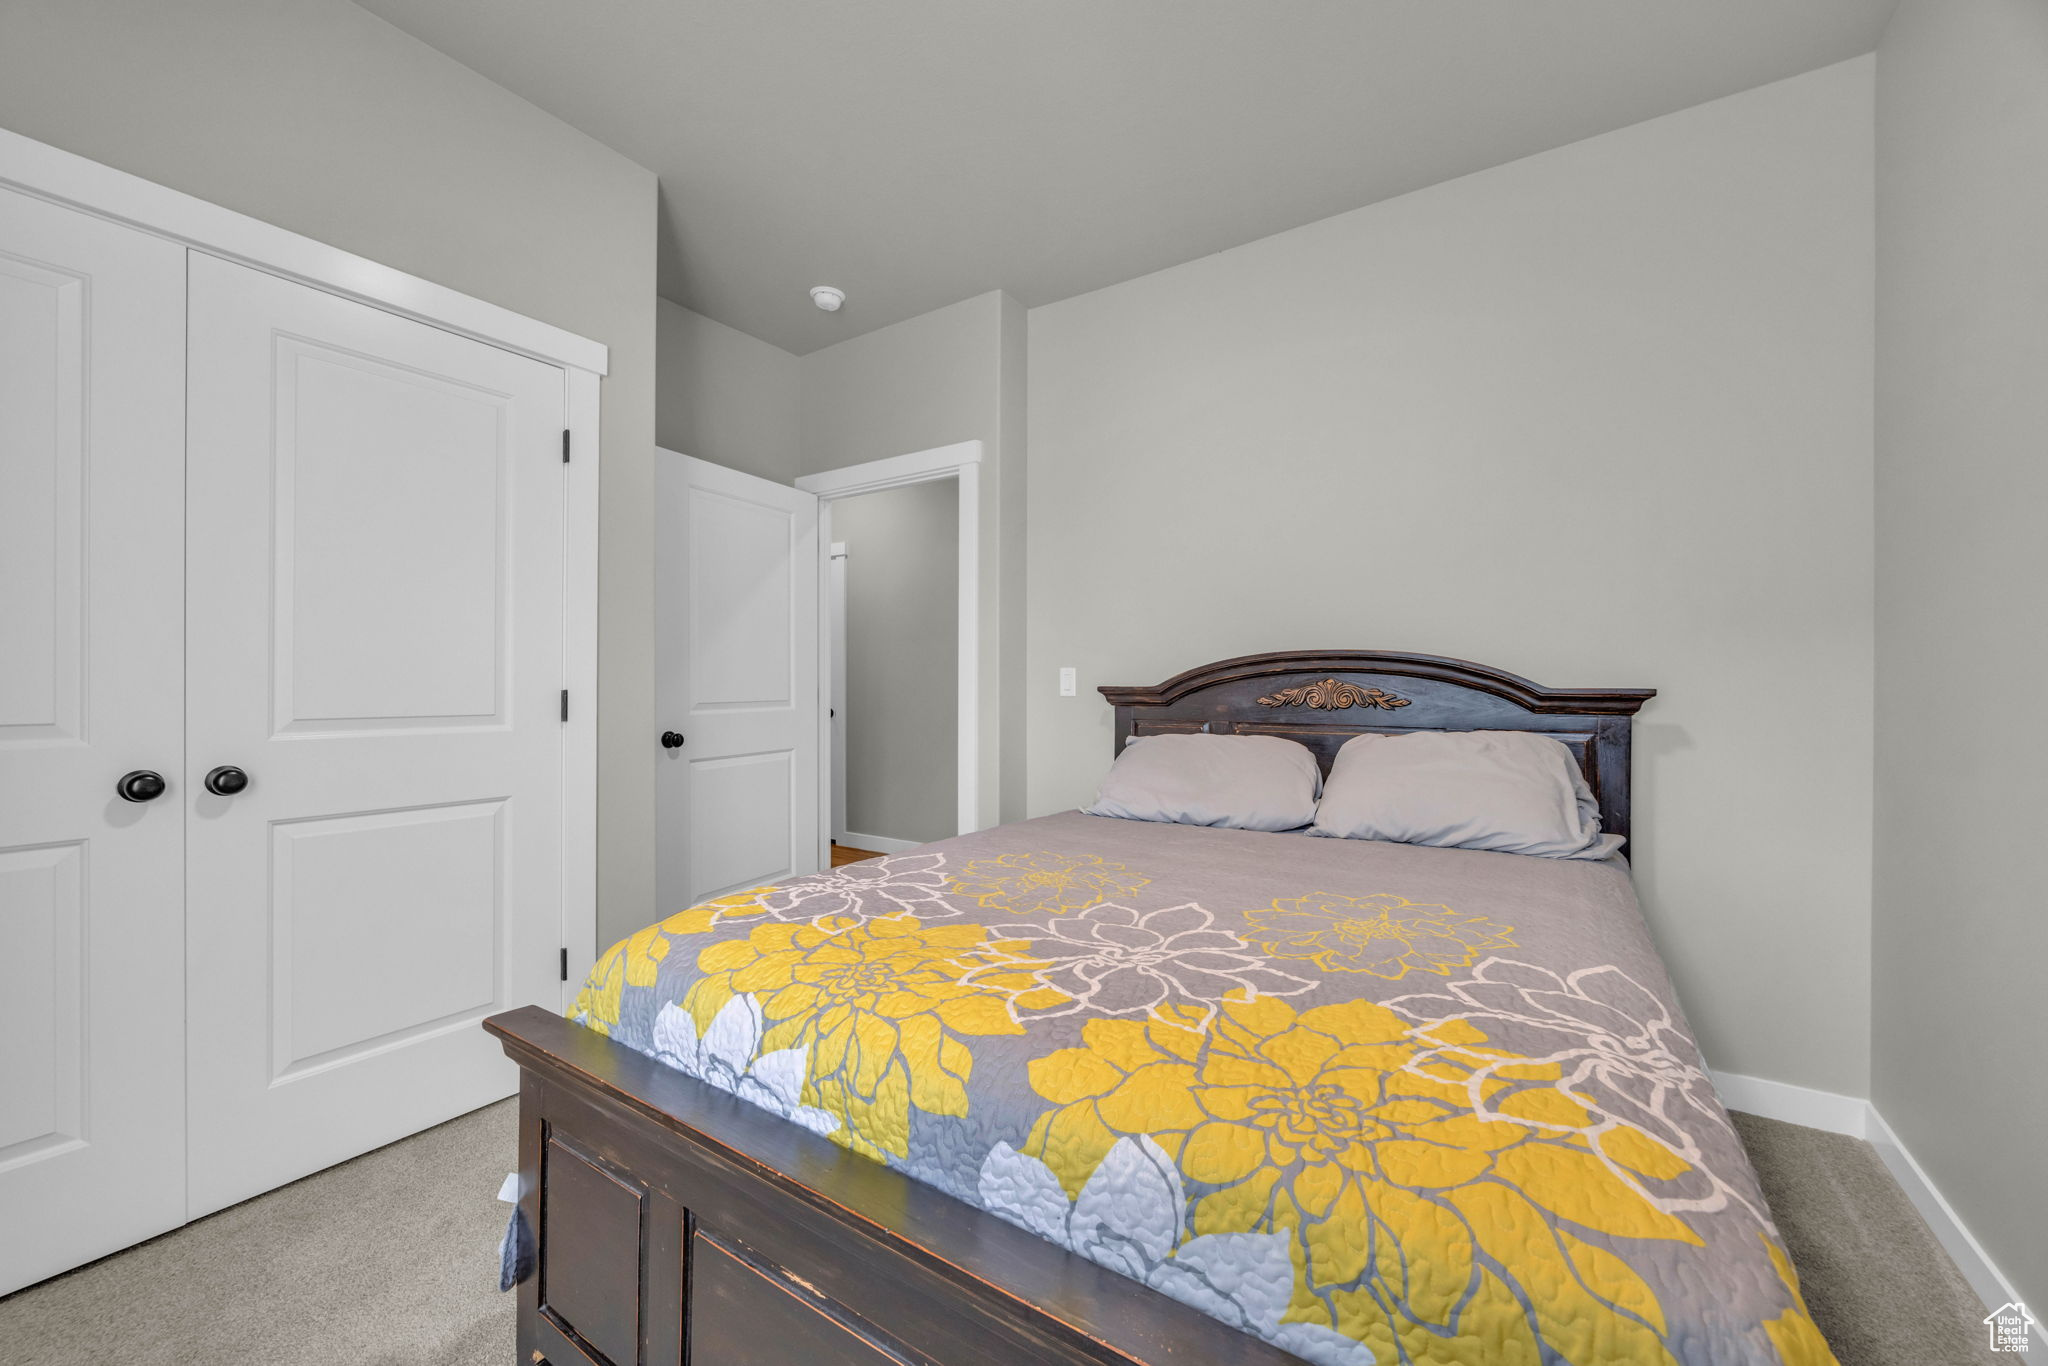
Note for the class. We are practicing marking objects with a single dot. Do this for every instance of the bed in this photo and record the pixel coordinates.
(1087, 1090)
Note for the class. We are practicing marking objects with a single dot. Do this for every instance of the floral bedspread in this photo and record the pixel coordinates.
(1374, 1103)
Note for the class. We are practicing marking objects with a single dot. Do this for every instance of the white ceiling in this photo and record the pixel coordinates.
(918, 152)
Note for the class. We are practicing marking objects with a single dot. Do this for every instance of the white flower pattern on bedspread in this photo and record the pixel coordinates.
(1623, 1059)
(1114, 960)
(1131, 1217)
(864, 890)
(728, 1055)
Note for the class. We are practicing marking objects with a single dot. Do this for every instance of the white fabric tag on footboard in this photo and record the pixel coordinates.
(509, 1190)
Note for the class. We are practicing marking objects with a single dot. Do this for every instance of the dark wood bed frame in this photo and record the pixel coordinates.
(676, 1223)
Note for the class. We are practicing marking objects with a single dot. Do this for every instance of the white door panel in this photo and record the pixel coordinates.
(92, 471)
(350, 887)
(376, 552)
(737, 674)
(409, 636)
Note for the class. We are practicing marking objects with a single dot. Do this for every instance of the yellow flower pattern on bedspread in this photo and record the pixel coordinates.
(1522, 1164)
(1047, 882)
(881, 1008)
(1385, 935)
(636, 961)
(1336, 1126)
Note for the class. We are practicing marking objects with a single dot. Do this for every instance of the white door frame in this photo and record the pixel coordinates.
(832, 612)
(50, 173)
(960, 462)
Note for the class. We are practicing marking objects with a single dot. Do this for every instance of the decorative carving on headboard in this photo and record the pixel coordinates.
(1333, 695)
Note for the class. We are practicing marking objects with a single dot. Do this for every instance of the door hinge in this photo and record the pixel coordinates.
(565, 965)
(565, 704)
(565, 445)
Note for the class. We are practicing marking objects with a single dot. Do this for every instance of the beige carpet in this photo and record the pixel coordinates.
(1876, 1281)
(388, 1260)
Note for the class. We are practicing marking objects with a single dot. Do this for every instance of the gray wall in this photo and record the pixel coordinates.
(724, 396)
(1962, 561)
(955, 374)
(1602, 417)
(1012, 513)
(318, 117)
(902, 660)
(928, 381)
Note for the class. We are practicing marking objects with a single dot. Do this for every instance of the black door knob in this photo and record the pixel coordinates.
(671, 740)
(142, 785)
(226, 781)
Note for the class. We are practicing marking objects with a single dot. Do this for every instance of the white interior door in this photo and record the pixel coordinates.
(92, 915)
(375, 638)
(737, 680)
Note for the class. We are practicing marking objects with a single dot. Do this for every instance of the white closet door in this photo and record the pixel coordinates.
(736, 677)
(92, 914)
(375, 638)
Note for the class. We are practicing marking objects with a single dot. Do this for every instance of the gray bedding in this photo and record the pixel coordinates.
(1372, 1102)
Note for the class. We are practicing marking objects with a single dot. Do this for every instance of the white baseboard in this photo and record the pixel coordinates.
(881, 844)
(1964, 1250)
(1793, 1104)
(1859, 1119)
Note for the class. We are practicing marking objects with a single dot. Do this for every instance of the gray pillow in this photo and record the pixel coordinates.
(1510, 791)
(1248, 782)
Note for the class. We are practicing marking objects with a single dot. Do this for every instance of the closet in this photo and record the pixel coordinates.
(285, 804)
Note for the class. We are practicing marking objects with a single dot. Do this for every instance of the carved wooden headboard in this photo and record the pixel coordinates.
(1324, 697)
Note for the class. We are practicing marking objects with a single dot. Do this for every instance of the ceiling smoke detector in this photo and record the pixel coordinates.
(827, 298)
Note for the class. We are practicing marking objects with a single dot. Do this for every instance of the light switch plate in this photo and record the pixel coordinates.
(1066, 682)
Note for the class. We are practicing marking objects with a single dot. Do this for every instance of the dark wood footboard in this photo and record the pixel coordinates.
(678, 1224)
